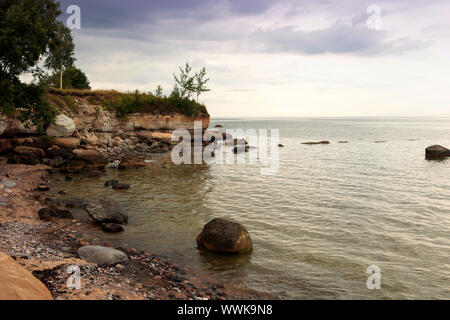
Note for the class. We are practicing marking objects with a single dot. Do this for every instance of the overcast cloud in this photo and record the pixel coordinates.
(264, 52)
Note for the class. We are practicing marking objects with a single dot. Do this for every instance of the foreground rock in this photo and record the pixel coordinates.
(16, 283)
(106, 211)
(220, 235)
(102, 255)
(436, 152)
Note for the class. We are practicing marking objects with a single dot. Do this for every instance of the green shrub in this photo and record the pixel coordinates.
(148, 103)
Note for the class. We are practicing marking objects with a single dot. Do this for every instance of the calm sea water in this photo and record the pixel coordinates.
(329, 213)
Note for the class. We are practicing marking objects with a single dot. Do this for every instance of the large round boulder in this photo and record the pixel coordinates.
(220, 235)
(102, 255)
(436, 152)
(17, 283)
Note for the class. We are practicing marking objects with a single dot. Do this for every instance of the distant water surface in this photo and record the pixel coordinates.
(329, 213)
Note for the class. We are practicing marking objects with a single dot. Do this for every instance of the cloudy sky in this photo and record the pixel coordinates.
(276, 58)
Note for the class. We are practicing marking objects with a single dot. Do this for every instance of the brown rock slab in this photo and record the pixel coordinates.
(16, 283)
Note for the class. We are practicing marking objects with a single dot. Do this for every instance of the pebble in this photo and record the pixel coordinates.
(7, 183)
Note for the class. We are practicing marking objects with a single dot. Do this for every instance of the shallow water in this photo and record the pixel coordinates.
(329, 213)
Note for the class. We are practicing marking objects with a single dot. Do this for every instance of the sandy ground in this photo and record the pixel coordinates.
(49, 248)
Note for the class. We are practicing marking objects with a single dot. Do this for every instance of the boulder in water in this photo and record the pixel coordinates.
(220, 235)
(106, 211)
(436, 152)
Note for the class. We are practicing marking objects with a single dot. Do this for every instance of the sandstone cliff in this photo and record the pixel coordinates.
(87, 135)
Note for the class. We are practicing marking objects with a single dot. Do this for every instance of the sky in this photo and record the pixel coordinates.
(275, 58)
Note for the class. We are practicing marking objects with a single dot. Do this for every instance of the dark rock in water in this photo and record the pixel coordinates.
(102, 255)
(111, 183)
(343, 142)
(43, 187)
(95, 173)
(280, 145)
(50, 212)
(113, 227)
(55, 162)
(238, 142)
(68, 178)
(27, 155)
(72, 165)
(218, 126)
(436, 152)
(130, 161)
(106, 211)
(220, 235)
(320, 142)
(55, 151)
(241, 148)
(121, 186)
(227, 138)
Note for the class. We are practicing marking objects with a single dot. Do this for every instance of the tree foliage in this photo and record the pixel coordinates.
(72, 78)
(29, 29)
(186, 85)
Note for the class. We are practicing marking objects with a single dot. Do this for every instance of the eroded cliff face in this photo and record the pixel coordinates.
(88, 136)
(94, 118)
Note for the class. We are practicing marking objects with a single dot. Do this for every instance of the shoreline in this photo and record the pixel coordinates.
(48, 248)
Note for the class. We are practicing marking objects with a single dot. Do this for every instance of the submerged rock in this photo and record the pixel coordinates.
(106, 211)
(436, 152)
(131, 161)
(102, 255)
(48, 213)
(121, 186)
(241, 148)
(111, 183)
(113, 227)
(220, 235)
(320, 142)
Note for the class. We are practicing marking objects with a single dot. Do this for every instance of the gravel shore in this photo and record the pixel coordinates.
(49, 248)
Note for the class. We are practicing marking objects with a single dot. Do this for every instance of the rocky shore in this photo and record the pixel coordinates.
(48, 248)
(44, 233)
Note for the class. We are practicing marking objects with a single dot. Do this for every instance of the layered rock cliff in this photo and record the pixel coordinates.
(90, 136)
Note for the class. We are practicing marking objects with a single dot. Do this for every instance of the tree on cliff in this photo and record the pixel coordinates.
(61, 50)
(200, 82)
(28, 30)
(72, 78)
(187, 85)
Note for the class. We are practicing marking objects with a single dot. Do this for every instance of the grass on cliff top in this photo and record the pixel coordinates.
(126, 103)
